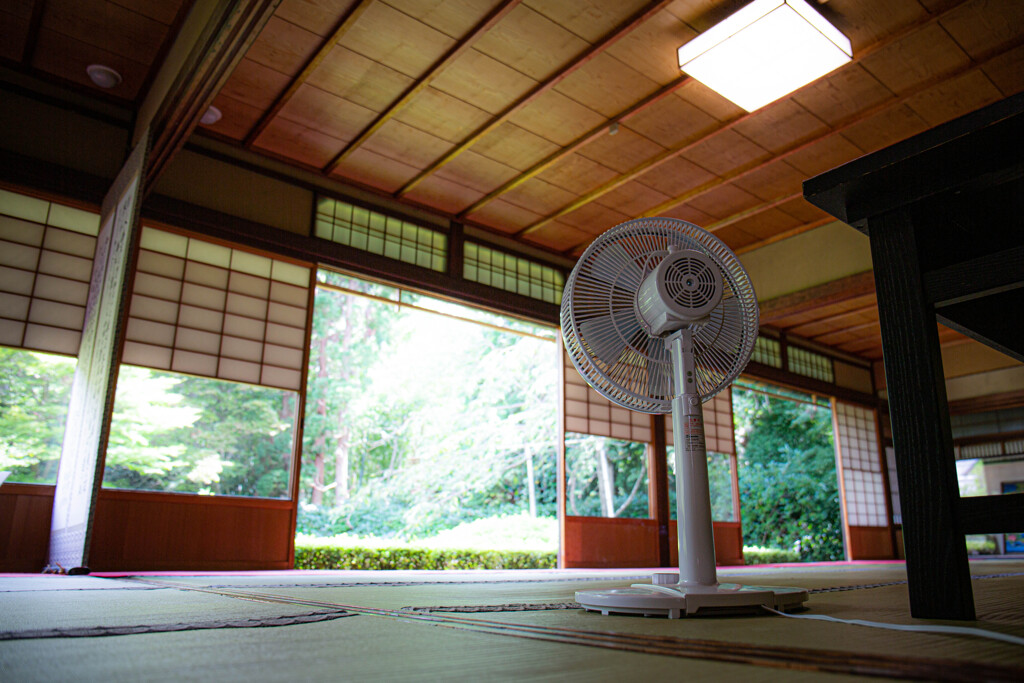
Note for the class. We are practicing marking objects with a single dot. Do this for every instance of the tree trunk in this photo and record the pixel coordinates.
(531, 483)
(341, 466)
(316, 496)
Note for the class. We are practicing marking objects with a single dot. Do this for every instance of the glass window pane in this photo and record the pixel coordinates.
(183, 434)
(605, 477)
(34, 392)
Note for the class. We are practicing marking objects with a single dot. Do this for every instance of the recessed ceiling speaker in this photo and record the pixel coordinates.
(103, 76)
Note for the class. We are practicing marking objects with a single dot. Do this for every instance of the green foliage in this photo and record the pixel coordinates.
(754, 555)
(34, 392)
(719, 482)
(789, 496)
(620, 492)
(174, 432)
(326, 556)
(416, 423)
(981, 545)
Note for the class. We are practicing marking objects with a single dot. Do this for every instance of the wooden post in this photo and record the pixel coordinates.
(937, 570)
(658, 488)
(92, 391)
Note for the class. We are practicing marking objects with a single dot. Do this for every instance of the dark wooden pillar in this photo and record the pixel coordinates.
(937, 570)
(658, 488)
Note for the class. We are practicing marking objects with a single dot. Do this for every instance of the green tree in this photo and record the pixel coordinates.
(34, 392)
(789, 495)
(347, 339)
(173, 432)
(444, 421)
(605, 477)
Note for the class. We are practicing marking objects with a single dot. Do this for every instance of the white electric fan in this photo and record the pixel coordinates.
(658, 316)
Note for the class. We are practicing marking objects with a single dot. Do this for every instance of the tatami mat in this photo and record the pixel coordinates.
(399, 626)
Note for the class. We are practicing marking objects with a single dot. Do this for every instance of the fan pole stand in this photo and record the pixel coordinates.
(695, 589)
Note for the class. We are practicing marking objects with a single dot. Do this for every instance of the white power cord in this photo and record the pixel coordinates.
(923, 628)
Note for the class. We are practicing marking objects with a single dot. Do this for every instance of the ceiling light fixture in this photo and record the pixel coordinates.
(764, 51)
(210, 116)
(103, 76)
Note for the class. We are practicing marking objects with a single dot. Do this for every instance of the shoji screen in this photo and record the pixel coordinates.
(207, 309)
(587, 412)
(859, 454)
(46, 253)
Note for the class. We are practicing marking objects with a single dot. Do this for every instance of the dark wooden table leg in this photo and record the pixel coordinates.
(937, 571)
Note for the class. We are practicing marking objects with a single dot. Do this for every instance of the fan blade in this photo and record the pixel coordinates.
(608, 336)
(615, 266)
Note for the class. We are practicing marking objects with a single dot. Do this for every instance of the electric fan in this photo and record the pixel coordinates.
(659, 315)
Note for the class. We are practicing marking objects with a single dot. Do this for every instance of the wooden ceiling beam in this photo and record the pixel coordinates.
(485, 25)
(35, 21)
(827, 338)
(340, 29)
(862, 345)
(229, 31)
(686, 145)
(610, 39)
(576, 144)
(834, 319)
(812, 298)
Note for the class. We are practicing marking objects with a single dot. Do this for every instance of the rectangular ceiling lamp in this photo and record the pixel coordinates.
(764, 51)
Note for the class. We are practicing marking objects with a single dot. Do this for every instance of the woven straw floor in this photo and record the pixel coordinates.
(392, 626)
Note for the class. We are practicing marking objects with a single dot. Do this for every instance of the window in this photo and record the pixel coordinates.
(512, 273)
(34, 393)
(380, 234)
(810, 364)
(206, 395)
(177, 433)
(605, 477)
(588, 412)
(863, 485)
(719, 480)
(767, 351)
(721, 448)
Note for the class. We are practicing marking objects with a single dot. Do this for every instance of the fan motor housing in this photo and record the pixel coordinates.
(681, 290)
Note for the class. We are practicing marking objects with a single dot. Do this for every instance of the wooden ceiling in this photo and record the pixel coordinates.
(549, 121)
(842, 314)
(60, 38)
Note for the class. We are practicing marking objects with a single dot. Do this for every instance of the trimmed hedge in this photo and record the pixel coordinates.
(755, 555)
(308, 556)
(331, 557)
(982, 545)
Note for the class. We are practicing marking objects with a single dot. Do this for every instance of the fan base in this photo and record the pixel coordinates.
(673, 600)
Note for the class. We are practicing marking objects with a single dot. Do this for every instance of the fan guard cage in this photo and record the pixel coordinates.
(603, 333)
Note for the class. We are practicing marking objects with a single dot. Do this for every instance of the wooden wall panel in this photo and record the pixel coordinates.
(143, 531)
(870, 543)
(728, 543)
(599, 542)
(25, 511)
